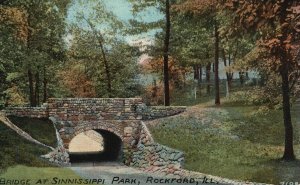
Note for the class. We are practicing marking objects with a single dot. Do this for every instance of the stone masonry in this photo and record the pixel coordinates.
(122, 117)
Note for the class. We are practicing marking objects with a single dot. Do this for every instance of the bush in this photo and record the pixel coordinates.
(255, 96)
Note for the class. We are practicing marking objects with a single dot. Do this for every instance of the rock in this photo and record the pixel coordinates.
(177, 156)
(159, 148)
(128, 130)
(158, 163)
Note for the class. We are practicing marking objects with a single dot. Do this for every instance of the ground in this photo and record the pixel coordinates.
(232, 141)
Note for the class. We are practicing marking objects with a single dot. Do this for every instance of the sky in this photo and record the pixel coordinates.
(122, 9)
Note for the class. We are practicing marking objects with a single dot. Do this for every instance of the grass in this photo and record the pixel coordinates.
(16, 150)
(40, 129)
(233, 141)
(20, 159)
(34, 174)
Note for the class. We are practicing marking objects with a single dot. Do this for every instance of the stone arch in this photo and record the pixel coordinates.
(111, 127)
(112, 143)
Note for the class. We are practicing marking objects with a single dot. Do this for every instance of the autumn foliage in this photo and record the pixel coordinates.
(77, 82)
(155, 92)
(17, 18)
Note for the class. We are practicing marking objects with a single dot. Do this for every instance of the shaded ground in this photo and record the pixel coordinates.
(15, 150)
(40, 129)
(232, 141)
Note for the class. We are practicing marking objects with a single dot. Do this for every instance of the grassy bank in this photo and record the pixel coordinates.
(15, 150)
(40, 129)
(34, 174)
(233, 141)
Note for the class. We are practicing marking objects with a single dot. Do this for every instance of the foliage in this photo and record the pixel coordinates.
(276, 22)
(16, 18)
(259, 96)
(33, 32)
(80, 86)
(177, 73)
(86, 61)
(154, 93)
(192, 42)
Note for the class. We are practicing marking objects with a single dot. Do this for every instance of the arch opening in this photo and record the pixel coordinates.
(105, 146)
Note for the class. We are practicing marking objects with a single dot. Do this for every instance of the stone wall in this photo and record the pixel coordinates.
(94, 109)
(157, 158)
(32, 112)
(155, 112)
(154, 157)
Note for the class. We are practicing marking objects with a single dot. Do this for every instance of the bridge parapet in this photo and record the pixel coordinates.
(94, 109)
(32, 112)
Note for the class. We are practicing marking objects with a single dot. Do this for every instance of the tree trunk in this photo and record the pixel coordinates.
(200, 74)
(107, 72)
(37, 89)
(45, 87)
(229, 80)
(99, 37)
(31, 89)
(229, 75)
(216, 66)
(285, 60)
(242, 77)
(166, 54)
(208, 68)
(288, 148)
(196, 72)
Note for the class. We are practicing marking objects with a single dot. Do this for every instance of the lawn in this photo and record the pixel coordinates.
(233, 141)
(15, 150)
(34, 174)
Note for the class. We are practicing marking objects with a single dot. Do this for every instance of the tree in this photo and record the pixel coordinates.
(42, 42)
(165, 7)
(14, 33)
(104, 25)
(166, 53)
(105, 59)
(234, 46)
(192, 44)
(278, 23)
(209, 10)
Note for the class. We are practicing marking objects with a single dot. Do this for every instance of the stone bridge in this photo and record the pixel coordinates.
(119, 121)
